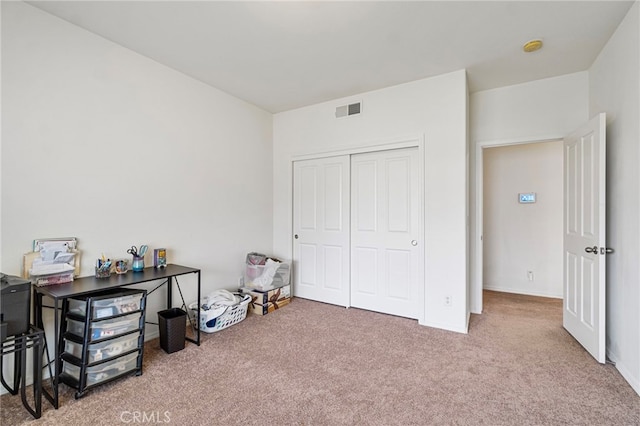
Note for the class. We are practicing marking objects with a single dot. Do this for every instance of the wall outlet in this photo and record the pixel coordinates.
(447, 301)
(530, 275)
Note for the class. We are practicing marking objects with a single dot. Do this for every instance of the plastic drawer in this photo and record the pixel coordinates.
(106, 328)
(104, 350)
(103, 308)
(100, 373)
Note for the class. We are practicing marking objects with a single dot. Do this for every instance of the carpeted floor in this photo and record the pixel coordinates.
(315, 364)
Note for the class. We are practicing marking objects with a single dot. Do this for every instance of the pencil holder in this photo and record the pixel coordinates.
(138, 264)
(103, 272)
(122, 266)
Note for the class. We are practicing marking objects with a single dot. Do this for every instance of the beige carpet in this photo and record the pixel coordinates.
(315, 364)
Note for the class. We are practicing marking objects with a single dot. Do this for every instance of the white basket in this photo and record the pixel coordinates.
(210, 323)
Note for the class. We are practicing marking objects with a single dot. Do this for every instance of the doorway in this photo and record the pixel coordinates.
(478, 271)
(584, 234)
(522, 211)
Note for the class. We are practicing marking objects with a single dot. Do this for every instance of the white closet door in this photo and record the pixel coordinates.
(321, 229)
(386, 247)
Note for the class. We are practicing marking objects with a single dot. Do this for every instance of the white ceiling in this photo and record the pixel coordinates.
(284, 55)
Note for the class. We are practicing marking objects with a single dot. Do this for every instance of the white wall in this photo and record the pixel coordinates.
(535, 111)
(434, 108)
(615, 89)
(523, 237)
(115, 149)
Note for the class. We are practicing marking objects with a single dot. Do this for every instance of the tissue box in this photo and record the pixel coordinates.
(264, 302)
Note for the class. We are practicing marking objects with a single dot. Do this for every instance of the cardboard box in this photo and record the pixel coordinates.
(263, 297)
(264, 302)
(267, 308)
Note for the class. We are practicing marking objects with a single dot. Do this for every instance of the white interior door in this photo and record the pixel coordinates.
(386, 245)
(321, 229)
(584, 236)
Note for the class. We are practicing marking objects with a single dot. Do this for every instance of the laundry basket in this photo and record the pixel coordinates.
(212, 320)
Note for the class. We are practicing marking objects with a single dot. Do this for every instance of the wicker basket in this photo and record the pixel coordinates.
(210, 322)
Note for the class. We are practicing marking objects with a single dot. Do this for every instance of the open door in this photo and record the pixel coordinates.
(584, 236)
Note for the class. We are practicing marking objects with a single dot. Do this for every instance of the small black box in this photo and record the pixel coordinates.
(15, 312)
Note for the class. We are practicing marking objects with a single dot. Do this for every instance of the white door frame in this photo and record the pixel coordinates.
(477, 273)
(410, 141)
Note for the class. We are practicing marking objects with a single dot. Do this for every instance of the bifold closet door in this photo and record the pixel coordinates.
(386, 246)
(321, 229)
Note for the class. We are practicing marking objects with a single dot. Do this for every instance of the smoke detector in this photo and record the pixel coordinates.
(532, 46)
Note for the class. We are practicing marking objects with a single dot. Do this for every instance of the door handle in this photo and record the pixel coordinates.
(295, 236)
(606, 250)
(593, 249)
(414, 243)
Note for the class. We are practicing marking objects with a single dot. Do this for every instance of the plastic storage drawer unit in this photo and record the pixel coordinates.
(104, 350)
(107, 307)
(105, 371)
(106, 328)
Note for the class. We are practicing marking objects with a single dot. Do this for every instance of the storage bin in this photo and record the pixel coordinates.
(106, 328)
(280, 279)
(101, 372)
(264, 302)
(172, 326)
(107, 307)
(104, 350)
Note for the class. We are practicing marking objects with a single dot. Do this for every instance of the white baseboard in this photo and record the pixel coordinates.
(151, 336)
(519, 291)
(633, 381)
(448, 327)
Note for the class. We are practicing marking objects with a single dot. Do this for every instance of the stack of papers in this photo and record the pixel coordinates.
(55, 265)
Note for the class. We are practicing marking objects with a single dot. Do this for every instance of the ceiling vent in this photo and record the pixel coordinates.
(347, 110)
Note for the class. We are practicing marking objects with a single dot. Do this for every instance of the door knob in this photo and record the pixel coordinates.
(414, 243)
(593, 249)
(295, 236)
(606, 250)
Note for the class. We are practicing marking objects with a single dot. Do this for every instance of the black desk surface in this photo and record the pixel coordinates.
(86, 285)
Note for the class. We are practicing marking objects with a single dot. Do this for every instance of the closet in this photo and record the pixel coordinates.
(358, 230)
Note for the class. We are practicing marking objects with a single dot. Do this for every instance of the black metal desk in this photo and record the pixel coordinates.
(88, 285)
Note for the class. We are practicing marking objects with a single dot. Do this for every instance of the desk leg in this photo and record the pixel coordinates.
(56, 353)
(19, 363)
(37, 374)
(198, 317)
(169, 292)
(37, 318)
